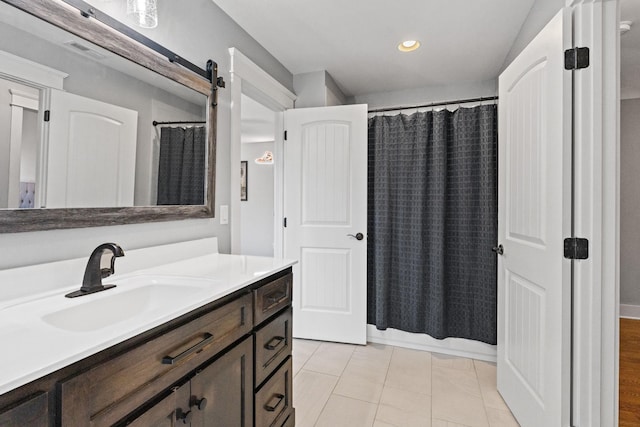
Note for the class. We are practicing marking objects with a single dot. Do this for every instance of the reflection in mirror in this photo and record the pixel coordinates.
(83, 134)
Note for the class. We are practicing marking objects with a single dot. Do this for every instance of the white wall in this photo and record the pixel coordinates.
(30, 142)
(317, 89)
(428, 94)
(630, 202)
(257, 212)
(198, 32)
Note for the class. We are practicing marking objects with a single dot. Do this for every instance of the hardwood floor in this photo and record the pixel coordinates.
(629, 373)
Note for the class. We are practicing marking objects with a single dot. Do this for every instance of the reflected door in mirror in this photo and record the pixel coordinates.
(91, 153)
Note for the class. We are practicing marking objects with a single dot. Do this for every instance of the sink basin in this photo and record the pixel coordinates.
(138, 297)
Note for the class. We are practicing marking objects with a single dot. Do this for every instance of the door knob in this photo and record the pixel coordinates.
(358, 236)
(498, 249)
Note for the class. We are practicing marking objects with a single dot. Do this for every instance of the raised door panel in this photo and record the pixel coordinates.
(326, 182)
(227, 386)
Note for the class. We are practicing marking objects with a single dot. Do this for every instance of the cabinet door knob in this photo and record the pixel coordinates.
(185, 417)
(201, 403)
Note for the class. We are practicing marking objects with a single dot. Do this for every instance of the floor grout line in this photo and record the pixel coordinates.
(389, 361)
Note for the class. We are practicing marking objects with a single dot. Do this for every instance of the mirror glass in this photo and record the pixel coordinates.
(86, 136)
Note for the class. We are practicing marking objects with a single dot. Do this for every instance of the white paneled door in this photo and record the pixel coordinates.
(326, 213)
(91, 153)
(534, 279)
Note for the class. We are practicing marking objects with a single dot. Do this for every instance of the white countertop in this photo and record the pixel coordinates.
(33, 348)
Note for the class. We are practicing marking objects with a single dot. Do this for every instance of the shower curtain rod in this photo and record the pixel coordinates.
(435, 104)
(155, 123)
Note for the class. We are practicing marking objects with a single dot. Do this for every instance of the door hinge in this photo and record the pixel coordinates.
(576, 58)
(284, 222)
(285, 135)
(576, 248)
(47, 115)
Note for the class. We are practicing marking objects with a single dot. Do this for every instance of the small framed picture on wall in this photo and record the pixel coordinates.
(243, 180)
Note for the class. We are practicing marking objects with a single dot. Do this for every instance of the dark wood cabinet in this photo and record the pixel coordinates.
(274, 399)
(32, 411)
(164, 413)
(227, 363)
(225, 386)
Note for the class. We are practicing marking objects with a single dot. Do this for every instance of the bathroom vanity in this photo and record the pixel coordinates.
(220, 358)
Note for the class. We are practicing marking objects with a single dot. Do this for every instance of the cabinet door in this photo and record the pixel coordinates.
(32, 412)
(227, 386)
(167, 412)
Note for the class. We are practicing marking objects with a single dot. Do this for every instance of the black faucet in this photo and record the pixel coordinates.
(94, 273)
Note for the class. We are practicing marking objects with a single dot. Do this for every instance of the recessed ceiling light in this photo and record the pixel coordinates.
(408, 45)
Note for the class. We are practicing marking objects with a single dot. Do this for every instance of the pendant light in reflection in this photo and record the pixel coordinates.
(266, 159)
(143, 12)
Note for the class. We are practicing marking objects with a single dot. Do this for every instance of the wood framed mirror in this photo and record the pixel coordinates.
(55, 34)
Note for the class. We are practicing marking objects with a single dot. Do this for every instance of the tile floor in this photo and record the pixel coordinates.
(380, 386)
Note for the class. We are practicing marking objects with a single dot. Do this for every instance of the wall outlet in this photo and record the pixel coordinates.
(224, 214)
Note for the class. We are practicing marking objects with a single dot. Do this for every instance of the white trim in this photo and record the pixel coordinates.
(597, 202)
(249, 79)
(23, 99)
(628, 311)
(20, 100)
(263, 82)
(23, 70)
(452, 346)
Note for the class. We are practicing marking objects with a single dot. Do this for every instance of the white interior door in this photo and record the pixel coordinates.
(91, 153)
(325, 205)
(534, 296)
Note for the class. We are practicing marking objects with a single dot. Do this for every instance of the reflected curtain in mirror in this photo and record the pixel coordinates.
(181, 170)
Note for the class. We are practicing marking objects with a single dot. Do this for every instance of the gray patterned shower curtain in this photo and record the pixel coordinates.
(432, 221)
(181, 170)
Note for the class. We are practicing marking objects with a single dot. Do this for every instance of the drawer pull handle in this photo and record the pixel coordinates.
(272, 408)
(170, 360)
(271, 346)
(276, 298)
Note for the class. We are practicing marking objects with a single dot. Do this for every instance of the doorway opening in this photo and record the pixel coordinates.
(257, 193)
(629, 357)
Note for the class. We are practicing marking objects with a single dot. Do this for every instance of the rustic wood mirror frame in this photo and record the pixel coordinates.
(70, 19)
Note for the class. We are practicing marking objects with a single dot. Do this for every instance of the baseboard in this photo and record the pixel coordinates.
(630, 311)
(452, 346)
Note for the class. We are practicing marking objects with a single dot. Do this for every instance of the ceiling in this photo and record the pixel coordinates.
(630, 50)
(356, 40)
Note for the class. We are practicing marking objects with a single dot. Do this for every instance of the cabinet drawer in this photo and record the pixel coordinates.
(272, 297)
(291, 421)
(113, 389)
(274, 399)
(273, 345)
(32, 412)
